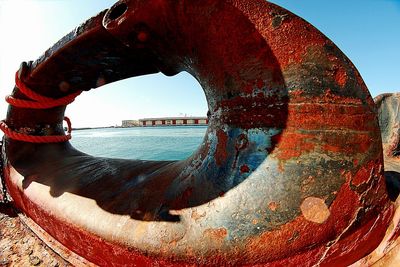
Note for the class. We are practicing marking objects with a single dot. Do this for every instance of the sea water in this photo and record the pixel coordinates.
(146, 143)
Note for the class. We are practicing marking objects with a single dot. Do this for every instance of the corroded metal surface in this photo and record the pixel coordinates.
(387, 254)
(290, 171)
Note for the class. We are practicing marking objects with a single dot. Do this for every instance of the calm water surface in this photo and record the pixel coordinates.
(155, 143)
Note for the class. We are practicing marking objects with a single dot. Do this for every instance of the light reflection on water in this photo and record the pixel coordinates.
(149, 143)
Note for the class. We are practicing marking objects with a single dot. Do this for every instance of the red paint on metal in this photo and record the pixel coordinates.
(293, 145)
(289, 40)
(260, 84)
(365, 171)
(244, 169)
(143, 37)
(330, 116)
(221, 152)
(341, 77)
(338, 143)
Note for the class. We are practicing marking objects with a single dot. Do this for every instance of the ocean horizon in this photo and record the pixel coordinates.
(144, 143)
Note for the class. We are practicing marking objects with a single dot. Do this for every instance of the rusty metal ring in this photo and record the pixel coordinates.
(289, 172)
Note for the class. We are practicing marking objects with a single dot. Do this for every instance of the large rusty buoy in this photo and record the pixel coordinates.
(290, 171)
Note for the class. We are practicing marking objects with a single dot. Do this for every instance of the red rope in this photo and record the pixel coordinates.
(40, 102)
(37, 102)
(36, 138)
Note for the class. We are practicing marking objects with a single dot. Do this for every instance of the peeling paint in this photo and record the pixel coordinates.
(315, 210)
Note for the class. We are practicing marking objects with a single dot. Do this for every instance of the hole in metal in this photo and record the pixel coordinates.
(164, 138)
(118, 11)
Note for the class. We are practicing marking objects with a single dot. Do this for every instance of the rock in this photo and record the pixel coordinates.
(4, 262)
(389, 122)
(34, 260)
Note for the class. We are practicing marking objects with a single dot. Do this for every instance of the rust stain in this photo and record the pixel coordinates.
(216, 234)
(329, 115)
(315, 210)
(293, 145)
(339, 143)
(341, 76)
(221, 153)
(197, 216)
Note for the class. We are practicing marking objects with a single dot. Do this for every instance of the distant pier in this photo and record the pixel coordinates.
(167, 121)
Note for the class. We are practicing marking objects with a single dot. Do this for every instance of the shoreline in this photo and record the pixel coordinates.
(120, 127)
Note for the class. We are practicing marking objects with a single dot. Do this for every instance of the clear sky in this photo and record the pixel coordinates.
(367, 31)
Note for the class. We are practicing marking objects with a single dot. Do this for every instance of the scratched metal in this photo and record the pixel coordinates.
(290, 171)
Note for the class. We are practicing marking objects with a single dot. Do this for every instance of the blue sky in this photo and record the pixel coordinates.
(367, 31)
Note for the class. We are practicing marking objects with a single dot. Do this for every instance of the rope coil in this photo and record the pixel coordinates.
(37, 101)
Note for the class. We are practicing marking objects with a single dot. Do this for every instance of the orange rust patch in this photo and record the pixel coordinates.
(341, 77)
(196, 216)
(330, 116)
(348, 143)
(273, 205)
(293, 145)
(315, 210)
(216, 233)
(331, 148)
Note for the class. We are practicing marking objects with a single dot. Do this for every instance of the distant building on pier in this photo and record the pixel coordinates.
(173, 121)
(130, 123)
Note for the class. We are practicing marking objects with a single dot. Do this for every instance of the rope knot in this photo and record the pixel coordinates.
(37, 101)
